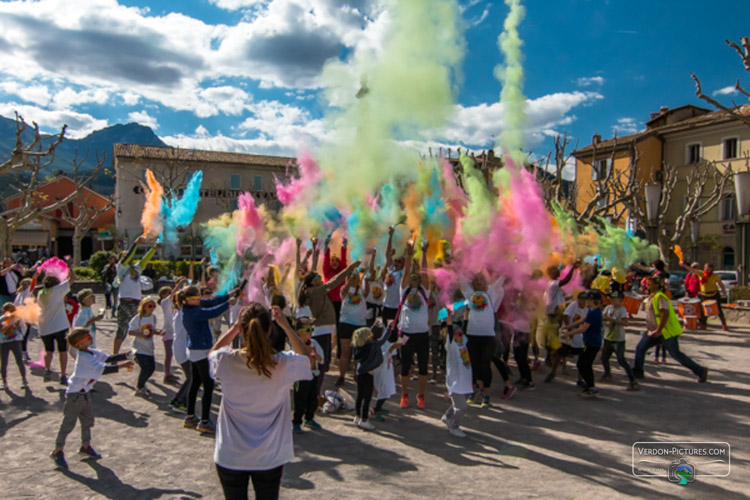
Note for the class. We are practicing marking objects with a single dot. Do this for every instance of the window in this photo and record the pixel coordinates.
(731, 147)
(235, 181)
(602, 169)
(693, 153)
(233, 204)
(257, 183)
(605, 199)
(727, 259)
(727, 208)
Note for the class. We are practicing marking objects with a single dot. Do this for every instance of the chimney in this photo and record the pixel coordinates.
(596, 139)
(663, 109)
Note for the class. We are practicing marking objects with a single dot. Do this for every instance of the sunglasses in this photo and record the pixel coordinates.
(308, 329)
(149, 306)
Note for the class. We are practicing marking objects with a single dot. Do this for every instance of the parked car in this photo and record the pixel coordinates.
(677, 284)
(729, 278)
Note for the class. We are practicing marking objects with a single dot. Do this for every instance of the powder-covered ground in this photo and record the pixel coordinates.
(543, 444)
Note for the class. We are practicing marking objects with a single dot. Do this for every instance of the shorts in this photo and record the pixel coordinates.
(57, 337)
(419, 344)
(125, 312)
(548, 334)
(345, 331)
(389, 314)
(567, 351)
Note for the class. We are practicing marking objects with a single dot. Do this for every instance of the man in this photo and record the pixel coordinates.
(10, 277)
(663, 326)
(710, 284)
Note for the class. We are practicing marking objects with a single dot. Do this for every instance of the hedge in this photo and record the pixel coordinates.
(739, 293)
(86, 274)
(168, 268)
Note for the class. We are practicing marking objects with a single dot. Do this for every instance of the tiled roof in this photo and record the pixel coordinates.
(168, 153)
(621, 142)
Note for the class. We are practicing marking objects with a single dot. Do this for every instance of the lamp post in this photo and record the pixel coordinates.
(742, 193)
(653, 197)
(695, 227)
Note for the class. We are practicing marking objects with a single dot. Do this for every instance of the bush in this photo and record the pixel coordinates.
(182, 268)
(99, 260)
(86, 273)
(739, 293)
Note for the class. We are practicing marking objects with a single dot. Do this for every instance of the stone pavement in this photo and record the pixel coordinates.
(548, 443)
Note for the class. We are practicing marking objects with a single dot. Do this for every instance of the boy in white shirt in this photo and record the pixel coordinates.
(615, 320)
(85, 317)
(458, 378)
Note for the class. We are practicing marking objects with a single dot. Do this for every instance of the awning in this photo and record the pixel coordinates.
(32, 237)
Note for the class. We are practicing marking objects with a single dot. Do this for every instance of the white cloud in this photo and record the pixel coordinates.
(67, 97)
(36, 94)
(473, 23)
(626, 125)
(728, 90)
(79, 124)
(143, 118)
(589, 81)
(130, 98)
(236, 4)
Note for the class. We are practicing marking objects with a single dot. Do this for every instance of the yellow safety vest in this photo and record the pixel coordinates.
(672, 328)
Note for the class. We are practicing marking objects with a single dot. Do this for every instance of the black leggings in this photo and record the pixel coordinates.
(419, 344)
(586, 365)
(201, 376)
(521, 354)
(480, 355)
(365, 385)
(26, 338)
(148, 364)
(5, 349)
(501, 367)
(266, 483)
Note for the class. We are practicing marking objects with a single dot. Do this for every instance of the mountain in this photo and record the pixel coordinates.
(98, 142)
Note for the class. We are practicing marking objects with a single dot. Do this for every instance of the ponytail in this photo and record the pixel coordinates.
(255, 321)
(182, 295)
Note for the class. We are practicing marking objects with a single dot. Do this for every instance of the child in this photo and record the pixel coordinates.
(85, 317)
(660, 348)
(179, 346)
(458, 378)
(306, 391)
(574, 313)
(11, 338)
(23, 293)
(165, 301)
(71, 307)
(591, 328)
(143, 328)
(90, 365)
(616, 318)
(368, 356)
(384, 376)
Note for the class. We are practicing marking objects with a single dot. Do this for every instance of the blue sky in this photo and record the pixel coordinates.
(242, 75)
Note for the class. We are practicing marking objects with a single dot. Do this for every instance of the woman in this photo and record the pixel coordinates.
(53, 323)
(254, 438)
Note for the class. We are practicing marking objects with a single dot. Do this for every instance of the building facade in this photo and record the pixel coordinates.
(225, 177)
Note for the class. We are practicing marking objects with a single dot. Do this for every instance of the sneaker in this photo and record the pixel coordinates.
(474, 398)
(404, 400)
(47, 375)
(485, 402)
(529, 386)
(725, 328)
(178, 406)
(206, 427)
(312, 424)
(458, 433)
(606, 377)
(357, 420)
(582, 384)
(587, 394)
(549, 378)
(633, 386)
(297, 429)
(364, 424)
(384, 410)
(702, 379)
(26, 358)
(378, 417)
(59, 458)
(509, 392)
(25, 384)
(89, 452)
(433, 380)
(141, 393)
(447, 422)
(420, 401)
(190, 422)
(63, 380)
(340, 382)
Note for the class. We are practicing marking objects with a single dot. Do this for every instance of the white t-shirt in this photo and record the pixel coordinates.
(130, 285)
(146, 324)
(457, 367)
(52, 301)
(553, 297)
(21, 296)
(82, 317)
(179, 344)
(377, 293)
(88, 368)
(353, 307)
(414, 317)
(253, 430)
(612, 332)
(168, 311)
(393, 289)
(574, 312)
(384, 377)
(482, 307)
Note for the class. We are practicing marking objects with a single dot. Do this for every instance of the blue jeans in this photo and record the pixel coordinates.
(673, 347)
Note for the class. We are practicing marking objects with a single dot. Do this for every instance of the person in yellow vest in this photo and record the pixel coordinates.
(663, 325)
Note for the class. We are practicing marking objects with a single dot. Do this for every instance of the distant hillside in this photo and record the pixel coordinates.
(97, 142)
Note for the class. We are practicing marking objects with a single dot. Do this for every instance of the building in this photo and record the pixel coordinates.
(225, 177)
(682, 138)
(50, 233)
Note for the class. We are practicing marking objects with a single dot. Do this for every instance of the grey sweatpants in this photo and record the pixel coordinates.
(456, 410)
(77, 407)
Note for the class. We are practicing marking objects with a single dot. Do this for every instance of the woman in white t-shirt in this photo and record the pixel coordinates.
(167, 309)
(254, 435)
(375, 295)
(353, 316)
(142, 328)
(54, 324)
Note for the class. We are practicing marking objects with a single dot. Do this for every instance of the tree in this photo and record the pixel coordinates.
(706, 184)
(80, 214)
(743, 50)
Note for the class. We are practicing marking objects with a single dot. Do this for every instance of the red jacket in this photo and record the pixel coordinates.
(692, 285)
(329, 273)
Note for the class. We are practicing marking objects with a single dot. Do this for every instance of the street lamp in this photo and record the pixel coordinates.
(653, 197)
(742, 193)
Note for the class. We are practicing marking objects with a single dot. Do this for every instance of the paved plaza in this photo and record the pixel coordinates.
(548, 443)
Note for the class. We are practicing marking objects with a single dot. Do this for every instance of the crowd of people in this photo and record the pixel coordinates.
(378, 321)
